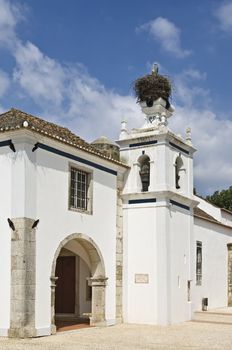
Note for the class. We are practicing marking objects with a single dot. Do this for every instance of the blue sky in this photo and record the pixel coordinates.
(73, 62)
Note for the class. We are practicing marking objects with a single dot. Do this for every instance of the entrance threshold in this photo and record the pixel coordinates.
(69, 324)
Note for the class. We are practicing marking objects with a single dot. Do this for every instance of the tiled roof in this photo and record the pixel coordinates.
(15, 119)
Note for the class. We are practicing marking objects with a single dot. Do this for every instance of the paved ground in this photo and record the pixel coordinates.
(190, 335)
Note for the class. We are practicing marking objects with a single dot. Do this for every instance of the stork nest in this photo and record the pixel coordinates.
(151, 87)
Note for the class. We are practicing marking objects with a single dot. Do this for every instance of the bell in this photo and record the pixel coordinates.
(145, 176)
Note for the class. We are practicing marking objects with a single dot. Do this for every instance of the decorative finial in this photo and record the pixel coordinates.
(188, 136)
(124, 132)
(155, 69)
(124, 125)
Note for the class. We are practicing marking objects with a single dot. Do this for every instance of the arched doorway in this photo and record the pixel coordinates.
(78, 280)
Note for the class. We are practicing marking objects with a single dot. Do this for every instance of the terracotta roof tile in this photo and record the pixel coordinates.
(14, 119)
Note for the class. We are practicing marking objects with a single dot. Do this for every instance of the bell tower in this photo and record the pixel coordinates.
(155, 154)
(157, 210)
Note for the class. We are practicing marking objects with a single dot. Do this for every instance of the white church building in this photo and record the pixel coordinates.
(110, 233)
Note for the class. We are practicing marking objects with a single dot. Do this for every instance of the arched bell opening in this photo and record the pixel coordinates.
(144, 163)
(78, 284)
(179, 166)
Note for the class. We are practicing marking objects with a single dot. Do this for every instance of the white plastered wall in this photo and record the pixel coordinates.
(6, 159)
(226, 217)
(57, 222)
(214, 286)
(179, 260)
(139, 299)
(18, 199)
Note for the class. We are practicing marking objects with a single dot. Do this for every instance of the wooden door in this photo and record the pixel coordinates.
(66, 285)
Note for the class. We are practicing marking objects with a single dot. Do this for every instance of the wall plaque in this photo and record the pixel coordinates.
(141, 278)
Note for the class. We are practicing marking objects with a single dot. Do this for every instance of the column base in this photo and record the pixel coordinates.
(53, 329)
(24, 332)
(93, 322)
(119, 320)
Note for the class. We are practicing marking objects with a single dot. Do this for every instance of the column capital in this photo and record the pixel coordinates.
(53, 280)
(97, 281)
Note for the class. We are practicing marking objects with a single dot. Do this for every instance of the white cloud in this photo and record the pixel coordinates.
(224, 16)
(96, 111)
(212, 137)
(71, 94)
(40, 76)
(210, 133)
(10, 15)
(167, 34)
(186, 92)
(194, 74)
(4, 82)
(68, 95)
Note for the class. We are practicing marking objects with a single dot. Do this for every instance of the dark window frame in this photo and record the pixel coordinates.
(80, 189)
(198, 263)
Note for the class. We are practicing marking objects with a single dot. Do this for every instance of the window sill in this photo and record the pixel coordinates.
(81, 211)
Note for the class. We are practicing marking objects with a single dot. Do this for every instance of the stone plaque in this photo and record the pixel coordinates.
(141, 278)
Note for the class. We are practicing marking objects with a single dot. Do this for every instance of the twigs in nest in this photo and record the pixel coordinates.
(151, 87)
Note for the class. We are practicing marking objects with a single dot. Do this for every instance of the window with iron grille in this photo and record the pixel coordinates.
(199, 263)
(79, 186)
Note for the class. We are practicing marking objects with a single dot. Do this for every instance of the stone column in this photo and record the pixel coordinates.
(53, 280)
(119, 253)
(23, 245)
(229, 247)
(98, 285)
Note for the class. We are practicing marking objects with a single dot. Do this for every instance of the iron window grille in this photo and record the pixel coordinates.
(199, 263)
(79, 189)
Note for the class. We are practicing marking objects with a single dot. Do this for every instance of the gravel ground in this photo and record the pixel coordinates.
(186, 336)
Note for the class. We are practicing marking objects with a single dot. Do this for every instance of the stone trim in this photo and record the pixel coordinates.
(98, 285)
(23, 254)
(229, 248)
(119, 253)
(53, 280)
(97, 281)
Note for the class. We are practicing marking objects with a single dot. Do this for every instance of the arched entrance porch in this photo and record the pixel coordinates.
(83, 247)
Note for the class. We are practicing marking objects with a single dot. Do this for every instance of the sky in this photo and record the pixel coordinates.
(74, 62)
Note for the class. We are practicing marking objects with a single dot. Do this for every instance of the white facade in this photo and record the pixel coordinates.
(158, 233)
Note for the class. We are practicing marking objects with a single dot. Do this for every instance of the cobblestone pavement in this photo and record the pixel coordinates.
(186, 336)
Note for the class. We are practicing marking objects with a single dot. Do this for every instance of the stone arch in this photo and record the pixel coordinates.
(97, 280)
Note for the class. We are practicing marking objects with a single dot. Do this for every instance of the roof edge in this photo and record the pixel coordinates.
(55, 136)
(212, 221)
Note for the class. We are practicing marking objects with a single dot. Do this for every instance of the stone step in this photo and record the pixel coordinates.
(212, 317)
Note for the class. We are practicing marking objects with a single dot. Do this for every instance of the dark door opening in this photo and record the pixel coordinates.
(66, 285)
